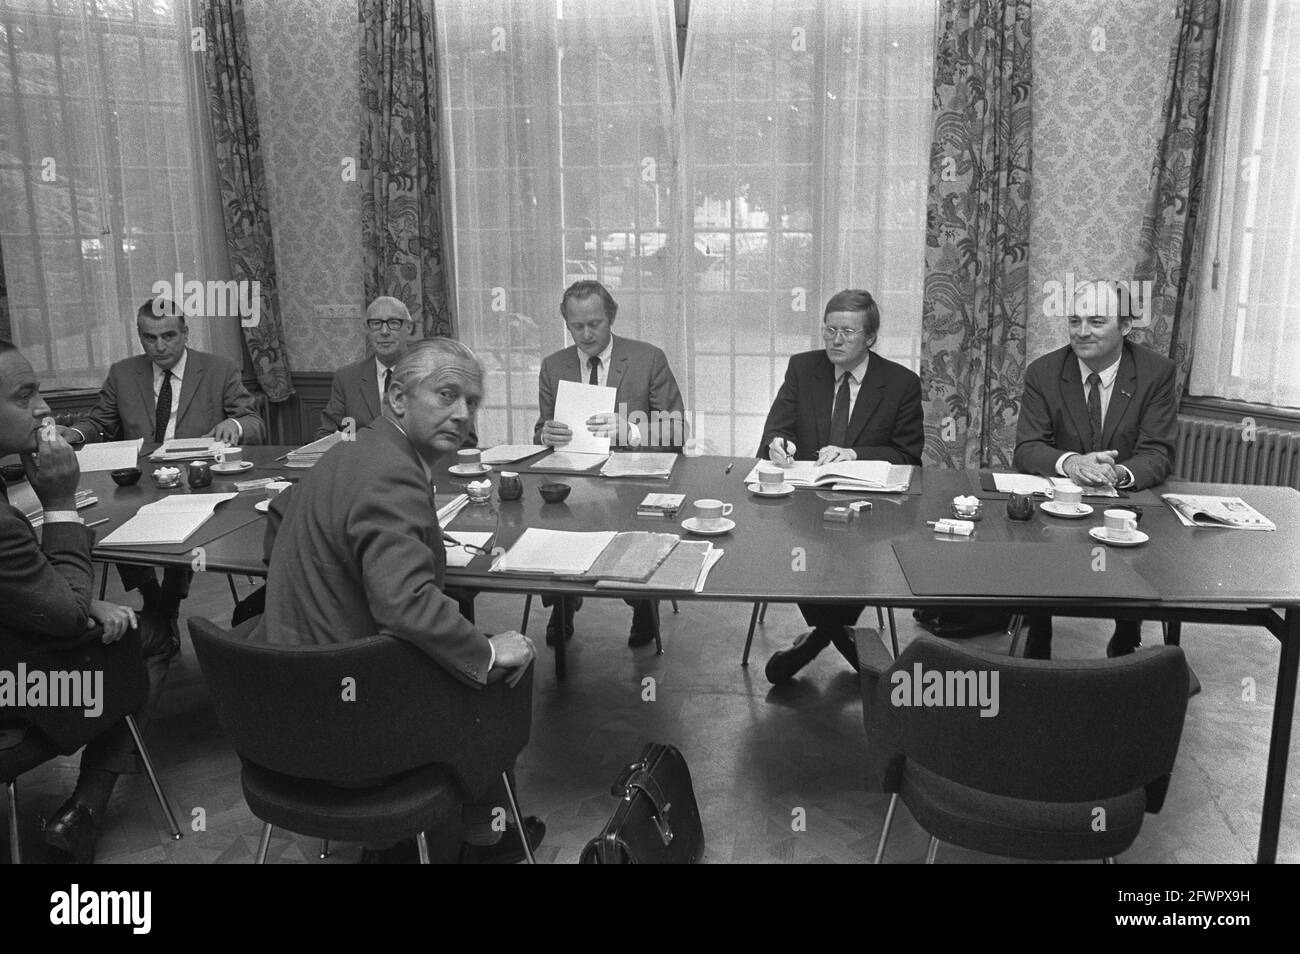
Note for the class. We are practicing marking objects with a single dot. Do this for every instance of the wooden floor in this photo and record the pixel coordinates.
(757, 754)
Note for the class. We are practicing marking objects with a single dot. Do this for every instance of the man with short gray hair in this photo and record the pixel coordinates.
(358, 389)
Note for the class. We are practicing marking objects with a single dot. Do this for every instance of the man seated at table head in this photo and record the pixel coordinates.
(170, 391)
(649, 413)
(45, 590)
(841, 402)
(366, 515)
(358, 389)
(1102, 411)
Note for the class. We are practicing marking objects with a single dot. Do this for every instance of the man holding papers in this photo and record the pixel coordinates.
(841, 403)
(358, 549)
(648, 410)
(45, 592)
(170, 391)
(1101, 411)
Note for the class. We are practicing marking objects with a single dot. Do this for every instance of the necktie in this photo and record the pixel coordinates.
(1094, 409)
(840, 415)
(388, 379)
(163, 411)
(594, 364)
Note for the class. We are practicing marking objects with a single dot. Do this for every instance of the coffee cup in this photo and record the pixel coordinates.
(770, 477)
(470, 457)
(229, 455)
(1069, 495)
(709, 513)
(1121, 525)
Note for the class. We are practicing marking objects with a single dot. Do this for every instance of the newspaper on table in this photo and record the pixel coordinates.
(1204, 510)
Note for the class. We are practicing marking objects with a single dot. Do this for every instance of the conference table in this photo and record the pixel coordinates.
(783, 550)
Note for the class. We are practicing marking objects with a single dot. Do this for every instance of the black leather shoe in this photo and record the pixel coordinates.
(553, 627)
(403, 853)
(846, 643)
(507, 851)
(73, 830)
(645, 623)
(1121, 647)
(784, 664)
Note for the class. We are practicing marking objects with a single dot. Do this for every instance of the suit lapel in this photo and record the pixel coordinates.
(869, 397)
(823, 399)
(1120, 396)
(573, 365)
(370, 388)
(1072, 397)
(189, 384)
(148, 400)
(617, 366)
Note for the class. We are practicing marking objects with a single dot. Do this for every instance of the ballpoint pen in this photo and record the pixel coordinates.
(728, 470)
(98, 522)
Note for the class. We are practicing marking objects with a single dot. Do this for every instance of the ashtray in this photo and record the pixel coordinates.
(976, 513)
(126, 477)
(554, 493)
(166, 478)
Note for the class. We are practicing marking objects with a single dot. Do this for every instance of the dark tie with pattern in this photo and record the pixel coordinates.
(388, 379)
(1094, 409)
(594, 364)
(840, 415)
(164, 410)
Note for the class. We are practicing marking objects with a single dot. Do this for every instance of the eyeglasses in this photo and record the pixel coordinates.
(848, 334)
(393, 324)
(470, 548)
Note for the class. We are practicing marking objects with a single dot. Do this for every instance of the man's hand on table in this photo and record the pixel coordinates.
(782, 451)
(830, 454)
(227, 432)
(514, 652)
(1092, 470)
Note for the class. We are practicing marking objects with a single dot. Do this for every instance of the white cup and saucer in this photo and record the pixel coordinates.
(1067, 502)
(710, 518)
(469, 463)
(230, 460)
(1119, 530)
(771, 482)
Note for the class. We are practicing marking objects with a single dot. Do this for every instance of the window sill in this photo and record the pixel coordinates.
(1220, 409)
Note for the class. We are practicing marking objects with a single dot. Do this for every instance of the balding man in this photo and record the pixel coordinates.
(366, 515)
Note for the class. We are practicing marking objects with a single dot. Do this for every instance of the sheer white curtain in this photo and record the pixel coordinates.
(807, 140)
(1247, 337)
(104, 184)
(558, 129)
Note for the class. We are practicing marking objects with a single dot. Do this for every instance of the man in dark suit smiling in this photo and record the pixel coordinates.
(841, 403)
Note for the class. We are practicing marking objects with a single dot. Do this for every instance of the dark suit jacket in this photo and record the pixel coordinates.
(1141, 422)
(359, 552)
(886, 423)
(640, 374)
(354, 393)
(210, 393)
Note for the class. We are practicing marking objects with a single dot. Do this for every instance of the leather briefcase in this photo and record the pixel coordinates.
(657, 821)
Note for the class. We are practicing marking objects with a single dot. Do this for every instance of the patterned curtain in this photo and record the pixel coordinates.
(1165, 244)
(233, 110)
(5, 331)
(974, 312)
(401, 214)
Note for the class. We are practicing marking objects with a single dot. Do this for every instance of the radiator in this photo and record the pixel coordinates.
(1213, 452)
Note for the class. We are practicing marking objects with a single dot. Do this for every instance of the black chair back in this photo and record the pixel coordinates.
(358, 712)
(1064, 731)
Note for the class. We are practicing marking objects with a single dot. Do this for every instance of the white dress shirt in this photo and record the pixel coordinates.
(178, 376)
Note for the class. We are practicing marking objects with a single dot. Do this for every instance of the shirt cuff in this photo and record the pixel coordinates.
(492, 660)
(1126, 477)
(63, 516)
(240, 426)
(79, 431)
(1060, 462)
(633, 436)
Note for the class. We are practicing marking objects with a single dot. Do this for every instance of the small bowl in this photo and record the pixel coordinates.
(166, 482)
(974, 513)
(126, 477)
(13, 472)
(554, 493)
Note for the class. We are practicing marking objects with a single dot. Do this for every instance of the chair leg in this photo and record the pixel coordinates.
(893, 632)
(153, 777)
(422, 843)
(264, 844)
(234, 593)
(762, 613)
(1173, 635)
(749, 637)
(15, 849)
(103, 582)
(519, 818)
(675, 609)
(1109, 860)
(324, 848)
(932, 850)
(884, 832)
(1013, 630)
(528, 605)
(880, 618)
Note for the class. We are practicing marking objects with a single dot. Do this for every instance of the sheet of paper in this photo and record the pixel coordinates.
(449, 511)
(574, 404)
(555, 552)
(457, 555)
(170, 520)
(1021, 483)
(639, 464)
(563, 460)
(111, 455)
(509, 453)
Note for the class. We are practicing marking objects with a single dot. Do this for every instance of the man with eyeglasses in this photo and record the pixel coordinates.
(841, 403)
(649, 411)
(358, 389)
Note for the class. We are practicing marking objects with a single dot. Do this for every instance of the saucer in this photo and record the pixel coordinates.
(724, 526)
(784, 490)
(1099, 533)
(469, 470)
(237, 467)
(262, 506)
(1068, 511)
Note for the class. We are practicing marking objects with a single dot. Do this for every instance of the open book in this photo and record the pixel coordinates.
(872, 475)
(169, 520)
(1196, 510)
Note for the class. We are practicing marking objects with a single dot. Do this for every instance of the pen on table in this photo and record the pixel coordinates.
(98, 522)
(729, 466)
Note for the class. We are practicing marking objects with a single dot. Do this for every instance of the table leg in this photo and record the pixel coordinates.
(562, 604)
(1280, 742)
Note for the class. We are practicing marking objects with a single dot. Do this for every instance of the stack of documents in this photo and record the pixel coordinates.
(509, 453)
(540, 552)
(185, 448)
(877, 476)
(686, 569)
(111, 455)
(565, 460)
(634, 464)
(447, 511)
(660, 505)
(307, 455)
(1046, 486)
(170, 520)
(1200, 510)
(633, 557)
